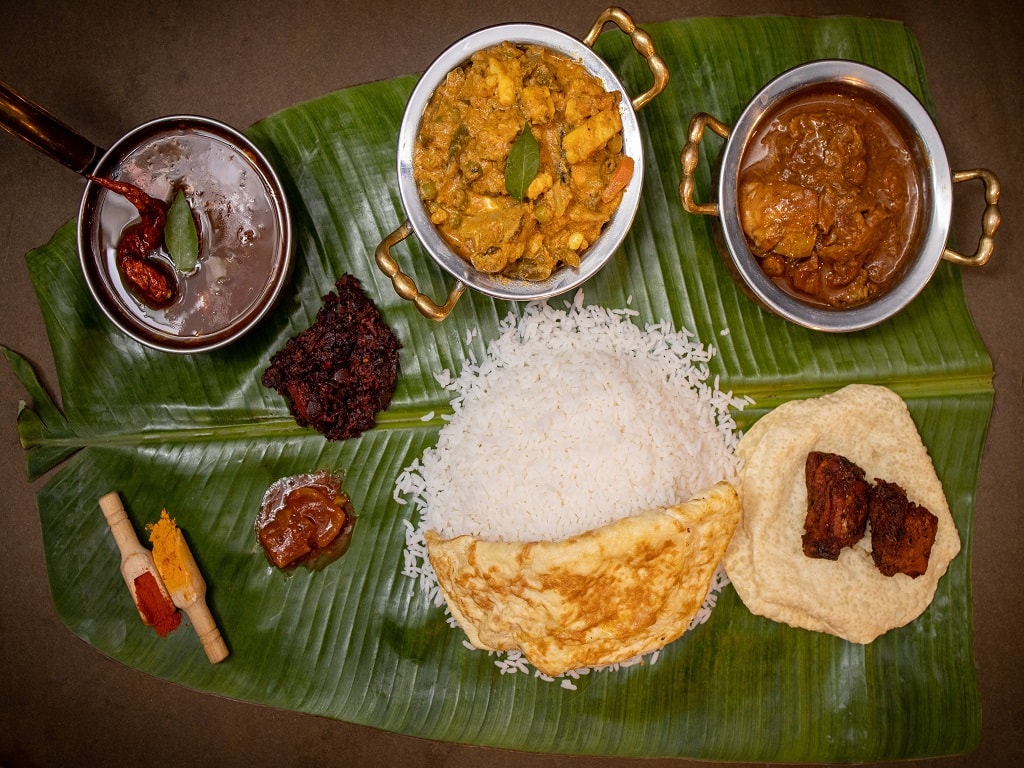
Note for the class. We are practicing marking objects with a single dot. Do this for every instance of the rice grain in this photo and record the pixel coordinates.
(575, 418)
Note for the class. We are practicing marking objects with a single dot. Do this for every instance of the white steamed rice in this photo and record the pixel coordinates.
(574, 419)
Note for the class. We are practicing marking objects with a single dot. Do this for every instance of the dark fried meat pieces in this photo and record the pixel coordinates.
(341, 371)
(902, 532)
(841, 504)
(837, 505)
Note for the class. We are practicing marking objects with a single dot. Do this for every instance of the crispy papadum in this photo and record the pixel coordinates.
(848, 597)
(590, 600)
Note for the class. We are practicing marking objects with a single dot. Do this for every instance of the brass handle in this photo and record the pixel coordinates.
(990, 219)
(643, 44)
(405, 286)
(36, 126)
(690, 157)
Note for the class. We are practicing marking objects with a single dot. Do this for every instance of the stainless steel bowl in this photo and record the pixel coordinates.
(936, 193)
(418, 221)
(98, 237)
(256, 179)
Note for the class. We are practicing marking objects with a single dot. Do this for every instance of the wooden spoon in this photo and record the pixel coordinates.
(135, 558)
(191, 598)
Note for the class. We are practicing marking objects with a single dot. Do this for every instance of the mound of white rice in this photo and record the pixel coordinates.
(575, 418)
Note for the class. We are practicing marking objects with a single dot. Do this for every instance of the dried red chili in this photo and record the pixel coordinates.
(151, 280)
(156, 608)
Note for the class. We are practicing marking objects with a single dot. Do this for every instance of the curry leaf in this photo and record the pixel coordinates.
(181, 236)
(523, 162)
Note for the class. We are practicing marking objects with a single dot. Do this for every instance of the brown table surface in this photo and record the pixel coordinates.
(104, 67)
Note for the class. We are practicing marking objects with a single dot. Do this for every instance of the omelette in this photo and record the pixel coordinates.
(599, 598)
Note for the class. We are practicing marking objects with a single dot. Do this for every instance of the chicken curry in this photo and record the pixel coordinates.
(828, 198)
(519, 160)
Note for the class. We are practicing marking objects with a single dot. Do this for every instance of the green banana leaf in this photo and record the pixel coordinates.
(356, 641)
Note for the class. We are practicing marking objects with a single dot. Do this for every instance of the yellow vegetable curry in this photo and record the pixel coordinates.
(463, 146)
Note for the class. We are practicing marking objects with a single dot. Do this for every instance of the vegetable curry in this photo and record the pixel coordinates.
(508, 108)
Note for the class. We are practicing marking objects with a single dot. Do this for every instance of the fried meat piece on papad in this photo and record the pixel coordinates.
(902, 532)
(599, 598)
(837, 504)
(849, 596)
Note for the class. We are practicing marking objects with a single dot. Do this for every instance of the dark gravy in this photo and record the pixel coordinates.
(829, 197)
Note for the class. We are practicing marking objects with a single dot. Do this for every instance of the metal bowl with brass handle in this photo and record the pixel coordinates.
(418, 222)
(935, 195)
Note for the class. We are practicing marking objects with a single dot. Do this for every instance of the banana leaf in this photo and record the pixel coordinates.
(356, 641)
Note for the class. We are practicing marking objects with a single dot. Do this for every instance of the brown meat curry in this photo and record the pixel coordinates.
(828, 198)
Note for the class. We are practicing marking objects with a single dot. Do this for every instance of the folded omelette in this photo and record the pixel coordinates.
(605, 596)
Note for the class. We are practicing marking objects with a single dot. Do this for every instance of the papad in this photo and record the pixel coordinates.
(848, 597)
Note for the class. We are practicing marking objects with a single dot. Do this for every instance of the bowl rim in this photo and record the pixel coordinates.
(936, 193)
(94, 270)
(615, 230)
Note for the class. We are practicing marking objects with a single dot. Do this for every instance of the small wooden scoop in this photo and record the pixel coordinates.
(136, 560)
(191, 598)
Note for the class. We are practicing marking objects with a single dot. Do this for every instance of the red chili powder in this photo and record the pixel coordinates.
(157, 611)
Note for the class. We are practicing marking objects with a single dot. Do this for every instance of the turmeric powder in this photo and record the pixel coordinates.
(167, 542)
